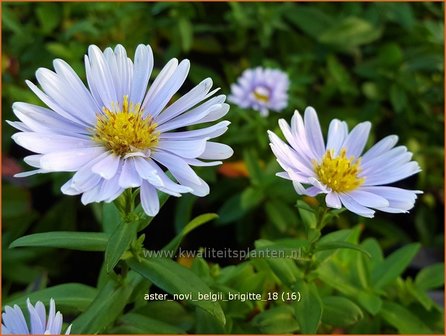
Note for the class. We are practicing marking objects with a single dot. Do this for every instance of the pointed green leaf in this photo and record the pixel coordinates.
(176, 279)
(340, 311)
(147, 325)
(430, 277)
(276, 320)
(192, 225)
(252, 163)
(70, 296)
(110, 217)
(391, 268)
(106, 306)
(341, 245)
(309, 309)
(403, 319)
(119, 242)
(81, 241)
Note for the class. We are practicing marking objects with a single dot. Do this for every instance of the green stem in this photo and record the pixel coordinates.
(322, 213)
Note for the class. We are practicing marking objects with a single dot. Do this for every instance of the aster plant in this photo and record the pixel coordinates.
(121, 137)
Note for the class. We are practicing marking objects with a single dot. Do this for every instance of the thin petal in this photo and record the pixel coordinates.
(158, 84)
(187, 148)
(369, 199)
(143, 66)
(37, 327)
(313, 132)
(46, 143)
(102, 78)
(380, 147)
(337, 132)
(216, 151)
(107, 167)
(357, 139)
(149, 199)
(396, 174)
(129, 177)
(355, 207)
(69, 160)
(176, 166)
(333, 201)
(187, 101)
(159, 101)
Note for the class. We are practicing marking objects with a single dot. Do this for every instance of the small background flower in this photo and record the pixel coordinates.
(262, 89)
(14, 322)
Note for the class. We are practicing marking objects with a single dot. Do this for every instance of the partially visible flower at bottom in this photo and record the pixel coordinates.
(340, 170)
(261, 89)
(14, 323)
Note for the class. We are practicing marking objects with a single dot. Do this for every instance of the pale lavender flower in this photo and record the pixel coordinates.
(340, 170)
(261, 89)
(14, 323)
(118, 133)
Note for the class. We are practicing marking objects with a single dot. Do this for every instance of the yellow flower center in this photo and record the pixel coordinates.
(339, 173)
(125, 131)
(261, 94)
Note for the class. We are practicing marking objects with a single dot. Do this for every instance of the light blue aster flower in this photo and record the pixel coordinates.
(14, 323)
(120, 132)
(261, 89)
(340, 170)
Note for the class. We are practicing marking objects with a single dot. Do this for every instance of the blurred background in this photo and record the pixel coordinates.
(381, 62)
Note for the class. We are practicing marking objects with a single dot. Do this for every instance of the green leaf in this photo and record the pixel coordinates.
(70, 296)
(106, 307)
(192, 225)
(252, 163)
(81, 241)
(183, 211)
(119, 242)
(419, 294)
(341, 245)
(369, 301)
(311, 20)
(170, 312)
(231, 210)
(251, 198)
(284, 269)
(207, 323)
(281, 215)
(391, 268)
(372, 246)
(402, 319)
(309, 309)
(398, 98)
(307, 214)
(430, 277)
(282, 248)
(176, 279)
(186, 32)
(350, 32)
(147, 325)
(340, 311)
(110, 217)
(49, 16)
(276, 320)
